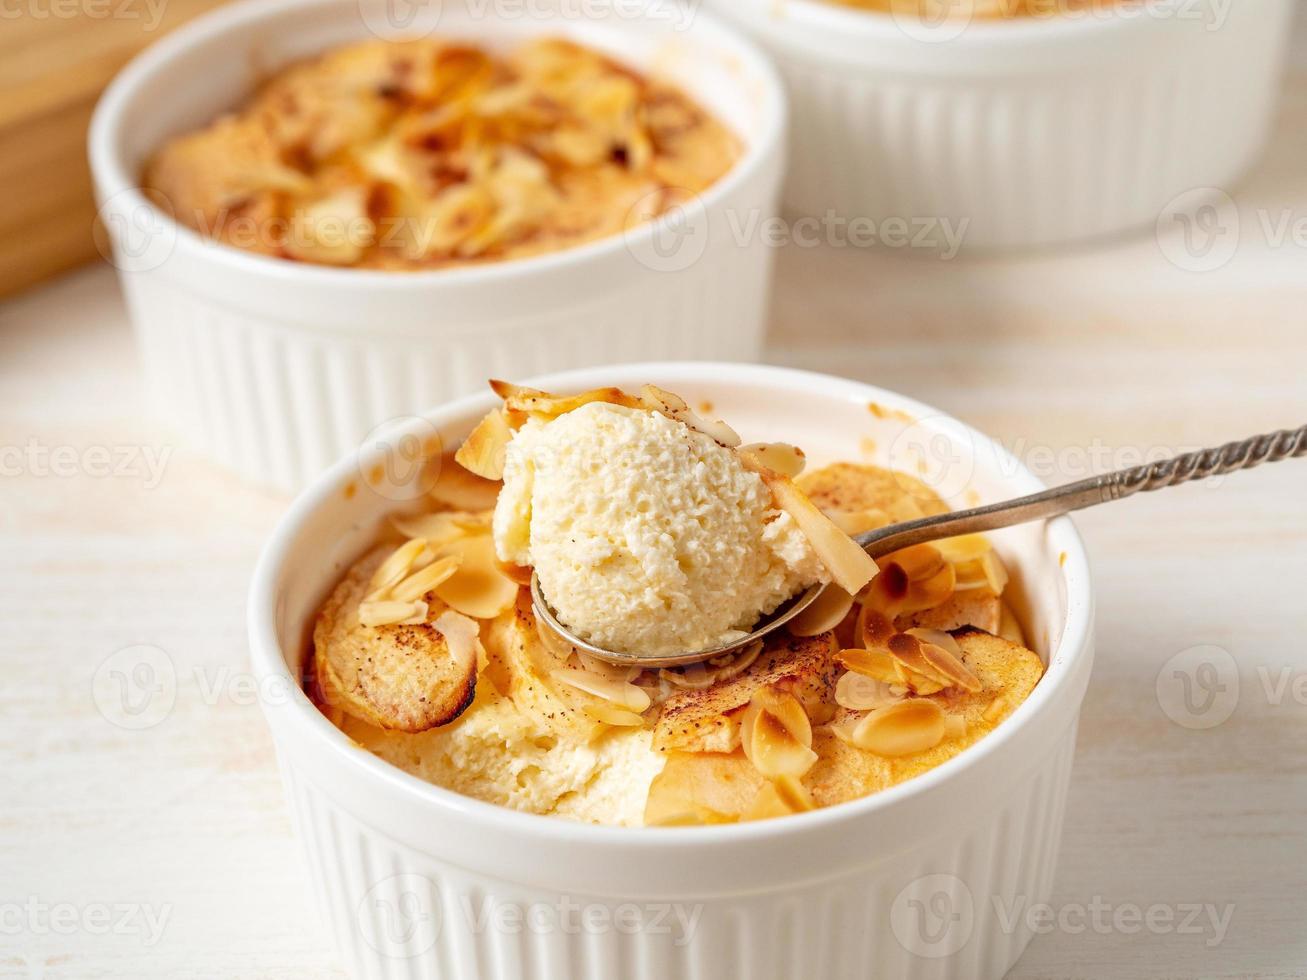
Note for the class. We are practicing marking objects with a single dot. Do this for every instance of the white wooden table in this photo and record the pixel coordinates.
(166, 852)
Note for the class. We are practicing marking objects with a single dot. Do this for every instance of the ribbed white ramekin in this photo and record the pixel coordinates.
(1021, 132)
(926, 881)
(276, 368)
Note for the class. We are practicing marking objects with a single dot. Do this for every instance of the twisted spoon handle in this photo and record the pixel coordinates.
(1198, 465)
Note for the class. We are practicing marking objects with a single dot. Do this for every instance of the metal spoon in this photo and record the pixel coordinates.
(1284, 444)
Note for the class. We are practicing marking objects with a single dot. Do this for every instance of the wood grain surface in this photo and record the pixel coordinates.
(167, 852)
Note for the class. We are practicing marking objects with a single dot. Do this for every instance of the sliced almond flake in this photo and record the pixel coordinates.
(741, 662)
(776, 735)
(424, 580)
(484, 449)
(610, 714)
(857, 692)
(920, 562)
(536, 402)
(461, 633)
(785, 459)
(962, 548)
(849, 566)
(391, 613)
(458, 488)
(780, 797)
(888, 591)
(876, 665)
(825, 612)
(674, 407)
(875, 629)
(934, 663)
(695, 677)
(521, 574)
(404, 559)
(937, 637)
(844, 730)
(621, 693)
(904, 728)
(929, 593)
(437, 529)
(478, 588)
(955, 726)
(600, 668)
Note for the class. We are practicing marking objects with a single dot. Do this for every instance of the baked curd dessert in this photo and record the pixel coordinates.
(428, 154)
(654, 530)
(939, 11)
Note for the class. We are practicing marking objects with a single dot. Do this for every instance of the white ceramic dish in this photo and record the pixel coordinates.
(1031, 131)
(416, 881)
(276, 369)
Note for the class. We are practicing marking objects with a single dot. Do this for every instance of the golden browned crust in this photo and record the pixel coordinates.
(712, 785)
(708, 720)
(859, 486)
(398, 677)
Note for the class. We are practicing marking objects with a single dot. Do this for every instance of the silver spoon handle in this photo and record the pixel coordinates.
(1197, 465)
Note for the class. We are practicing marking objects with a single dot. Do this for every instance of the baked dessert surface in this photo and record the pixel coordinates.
(548, 732)
(427, 154)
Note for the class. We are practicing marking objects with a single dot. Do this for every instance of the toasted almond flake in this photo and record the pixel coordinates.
(937, 637)
(610, 714)
(900, 729)
(461, 633)
(410, 555)
(674, 407)
(542, 403)
(621, 693)
(955, 726)
(825, 613)
(855, 522)
(929, 593)
(857, 692)
(844, 730)
(741, 662)
(458, 488)
(391, 613)
(478, 588)
(934, 663)
(876, 665)
(484, 449)
(920, 562)
(850, 567)
(785, 459)
(875, 629)
(780, 797)
(424, 580)
(601, 668)
(439, 528)
(963, 548)
(888, 591)
(776, 734)
(695, 677)
(521, 574)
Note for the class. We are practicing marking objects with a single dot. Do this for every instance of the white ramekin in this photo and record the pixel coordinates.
(1021, 132)
(415, 881)
(276, 369)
